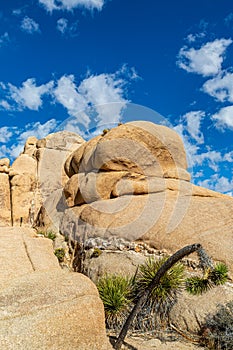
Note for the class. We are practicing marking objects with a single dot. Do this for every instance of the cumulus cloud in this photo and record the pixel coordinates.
(66, 93)
(4, 39)
(207, 60)
(100, 96)
(191, 38)
(51, 5)
(224, 118)
(220, 87)
(29, 26)
(105, 92)
(218, 183)
(5, 105)
(5, 134)
(62, 25)
(29, 95)
(193, 120)
(20, 136)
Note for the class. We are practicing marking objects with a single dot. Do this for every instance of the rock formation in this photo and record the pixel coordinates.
(132, 182)
(42, 306)
(34, 176)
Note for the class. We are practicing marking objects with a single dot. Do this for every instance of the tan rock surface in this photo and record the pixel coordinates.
(56, 310)
(170, 220)
(22, 252)
(190, 311)
(122, 263)
(140, 147)
(42, 306)
(5, 205)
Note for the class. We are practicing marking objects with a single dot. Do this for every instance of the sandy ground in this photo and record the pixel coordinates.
(140, 343)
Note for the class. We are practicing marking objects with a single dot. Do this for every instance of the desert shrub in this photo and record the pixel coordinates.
(115, 292)
(48, 234)
(218, 329)
(211, 277)
(164, 295)
(60, 254)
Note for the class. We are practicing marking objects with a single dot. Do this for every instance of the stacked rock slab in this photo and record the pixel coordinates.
(132, 182)
(5, 200)
(33, 177)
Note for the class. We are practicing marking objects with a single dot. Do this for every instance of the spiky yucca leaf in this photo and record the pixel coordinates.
(115, 292)
(196, 285)
(170, 283)
(219, 274)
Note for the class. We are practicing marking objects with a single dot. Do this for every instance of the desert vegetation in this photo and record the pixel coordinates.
(144, 302)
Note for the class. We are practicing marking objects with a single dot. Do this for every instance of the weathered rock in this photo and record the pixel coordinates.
(62, 140)
(169, 219)
(190, 312)
(23, 187)
(122, 263)
(51, 212)
(5, 202)
(25, 164)
(137, 147)
(30, 146)
(5, 162)
(22, 253)
(42, 306)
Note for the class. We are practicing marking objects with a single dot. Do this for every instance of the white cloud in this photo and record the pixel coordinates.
(105, 92)
(67, 94)
(29, 26)
(193, 120)
(38, 130)
(218, 183)
(4, 39)
(98, 95)
(62, 25)
(29, 95)
(5, 134)
(5, 105)
(20, 136)
(220, 87)
(224, 118)
(207, 60)
(69, 5)
(191, 38)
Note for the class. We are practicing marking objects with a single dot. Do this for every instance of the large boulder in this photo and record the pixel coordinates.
(42, 306)
(53, 310)
(132, 182)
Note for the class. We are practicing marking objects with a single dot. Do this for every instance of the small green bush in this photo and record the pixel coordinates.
(48, 234)
(97, 252)
(218, 329)
(60, 254)
(115, 292)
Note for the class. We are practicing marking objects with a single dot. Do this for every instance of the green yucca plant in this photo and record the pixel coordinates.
(164, 294)
(212, 276)
(116, 294)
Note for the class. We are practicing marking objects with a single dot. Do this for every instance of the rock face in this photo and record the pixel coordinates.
(36, 174)
(132, 182)
(5, 200)
(190, 311)
(42, 306)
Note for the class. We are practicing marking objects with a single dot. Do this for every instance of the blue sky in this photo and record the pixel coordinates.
(61, 59)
